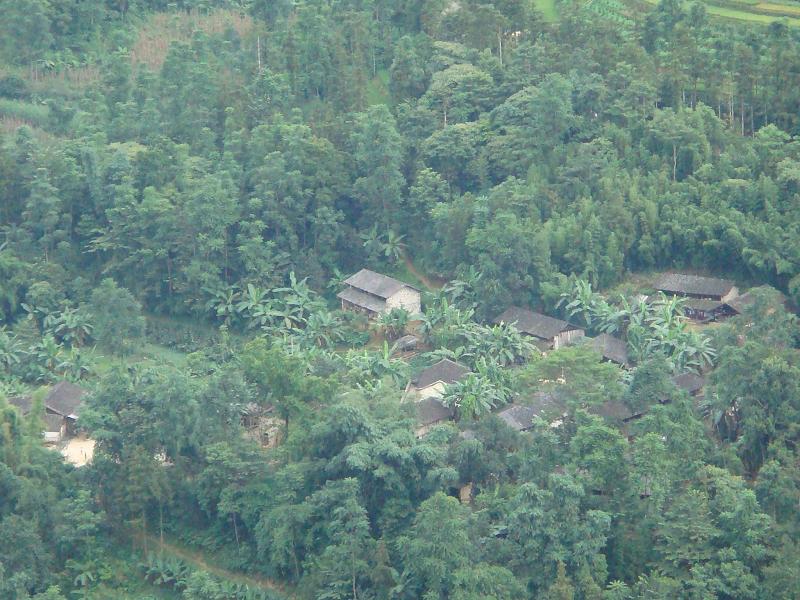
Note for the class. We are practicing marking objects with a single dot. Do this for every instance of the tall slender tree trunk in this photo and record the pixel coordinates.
(674, 162)
(235, 529)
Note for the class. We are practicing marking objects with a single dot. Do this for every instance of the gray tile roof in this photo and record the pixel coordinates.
(445, 371)
(693, 285)
(518, 417)
(431, 410)
(704, 304)
(744, 301)
(64, 399)
(741, 302)
(376, 284)
(691, 382)
(613, 410)
(362, 299)
(533, 323)
(612, 348)
(23, 403)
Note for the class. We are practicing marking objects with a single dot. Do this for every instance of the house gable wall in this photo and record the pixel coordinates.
(406, 298)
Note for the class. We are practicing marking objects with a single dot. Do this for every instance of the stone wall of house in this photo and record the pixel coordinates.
(405, 298)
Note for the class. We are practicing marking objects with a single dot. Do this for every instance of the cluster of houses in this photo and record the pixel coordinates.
(374, 294)
(706, 299)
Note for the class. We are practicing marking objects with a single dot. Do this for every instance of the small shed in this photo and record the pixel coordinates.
(555, 332)
(431, 382)
(694, 286)
(611, 349)
(374, 294)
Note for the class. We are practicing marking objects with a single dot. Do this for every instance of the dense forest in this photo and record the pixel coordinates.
(184, 188)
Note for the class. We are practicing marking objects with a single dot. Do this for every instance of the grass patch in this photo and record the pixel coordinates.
(161, 29)
(548, 9)
(24, 112)
(378, 89)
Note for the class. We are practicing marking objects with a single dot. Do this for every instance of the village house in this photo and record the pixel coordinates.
(706, 309)
(430, 412)
(518, 416)
(611, 348)
(691, 383)
(375, 294)
(693, 286)
(549, 332)
(61, 408)
(431, 382)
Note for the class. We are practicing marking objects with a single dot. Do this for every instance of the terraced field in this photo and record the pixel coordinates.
(753, 11)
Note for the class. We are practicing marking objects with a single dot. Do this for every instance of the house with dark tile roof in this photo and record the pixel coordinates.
(690, 382)
(519, 417)
(430, 412)
(553, 332)
(375, 294)
(431, 382)
(611, 349)
(706, 309)
(694, 286)
(62, 406)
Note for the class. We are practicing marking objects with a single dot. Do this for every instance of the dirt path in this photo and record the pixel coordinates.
(198, 560)
(432, 284)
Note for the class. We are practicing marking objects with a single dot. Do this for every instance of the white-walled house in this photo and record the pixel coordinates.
(431, 382)
(375, 294)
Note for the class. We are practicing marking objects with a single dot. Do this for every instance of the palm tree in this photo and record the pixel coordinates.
(73, 326)
(223, 303)
(667, 312)
(393, 246)
(10, 350)
(472, 397)
(323, 329)
(393, 324)
(46, 356)
(75, 366)
(251, 299)
(579, 300)
(372, 242)
(461, 291)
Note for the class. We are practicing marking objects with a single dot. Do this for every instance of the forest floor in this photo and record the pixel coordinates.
(200, 561)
